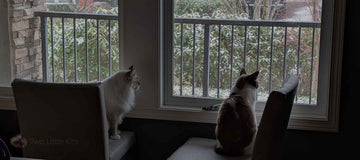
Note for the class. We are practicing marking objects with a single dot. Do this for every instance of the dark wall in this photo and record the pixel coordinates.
(157, 139)
(9, 127)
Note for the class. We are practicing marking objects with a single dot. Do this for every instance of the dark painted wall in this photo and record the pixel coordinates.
(158, 139)
(9, 127)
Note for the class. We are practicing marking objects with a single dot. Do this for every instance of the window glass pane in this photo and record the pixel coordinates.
(82, 49)
(277, 37)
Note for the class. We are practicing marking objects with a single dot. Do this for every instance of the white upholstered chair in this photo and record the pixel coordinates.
(269, 138)
(66, 121)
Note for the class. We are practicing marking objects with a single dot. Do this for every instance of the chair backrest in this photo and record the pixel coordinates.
(61, 121)
(274, 121)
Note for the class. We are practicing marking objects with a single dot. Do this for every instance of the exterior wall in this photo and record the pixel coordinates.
(25, 40)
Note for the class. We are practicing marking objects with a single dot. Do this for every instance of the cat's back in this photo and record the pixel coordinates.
(236, 123)
(234, 110)
(115, 92)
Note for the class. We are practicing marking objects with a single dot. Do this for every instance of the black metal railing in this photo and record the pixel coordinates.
(65, 17)
(208, 24)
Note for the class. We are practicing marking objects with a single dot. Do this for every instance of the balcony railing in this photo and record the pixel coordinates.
(220, 56)
(67, 32)
(98, 62)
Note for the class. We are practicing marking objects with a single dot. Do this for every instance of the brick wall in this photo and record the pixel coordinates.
(25, 40)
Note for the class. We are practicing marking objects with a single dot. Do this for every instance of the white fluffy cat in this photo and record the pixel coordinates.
(119, 93)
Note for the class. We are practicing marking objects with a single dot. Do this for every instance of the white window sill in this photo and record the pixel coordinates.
(173, 113)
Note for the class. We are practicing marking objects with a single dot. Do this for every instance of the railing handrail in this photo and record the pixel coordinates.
(87, 16)
(76, 15)
(186, 20)
(247, 22)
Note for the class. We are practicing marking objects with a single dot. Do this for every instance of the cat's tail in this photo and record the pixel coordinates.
(220, 150)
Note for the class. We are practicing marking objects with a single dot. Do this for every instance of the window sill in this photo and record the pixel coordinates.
(175, 113)
(7, 101)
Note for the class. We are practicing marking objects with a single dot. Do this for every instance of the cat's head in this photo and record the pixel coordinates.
(133, 78)
(245, 83)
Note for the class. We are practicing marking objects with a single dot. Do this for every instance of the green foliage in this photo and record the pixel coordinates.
(81, 48)
(202, 7)
(58, 8)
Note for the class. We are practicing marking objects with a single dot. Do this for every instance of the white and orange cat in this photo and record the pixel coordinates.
(236, 123)
(119, 93)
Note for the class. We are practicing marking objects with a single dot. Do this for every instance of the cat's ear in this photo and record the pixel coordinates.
(242, 71)
(253, 76)
(131, 73)
(252, 79)
(132, 68)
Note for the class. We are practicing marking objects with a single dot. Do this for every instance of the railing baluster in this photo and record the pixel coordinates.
(44, 50)
(298, 59)
(298, 53)
(86, 50)
(63, 47)
(52, 49)
(110, 64)
(206, 60)
(98, 47)
(245, 49)
(258, 50)
(75, 51)
(312, 63)
(285, 52)
(258, 55)
(194, 58)
(181, 58)
(271, 57)
(218, 56)
(232, 55)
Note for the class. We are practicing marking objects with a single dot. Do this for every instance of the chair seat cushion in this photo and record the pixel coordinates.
(201, 149)
(118, 148)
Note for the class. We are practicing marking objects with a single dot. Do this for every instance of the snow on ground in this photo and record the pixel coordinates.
(224, 93)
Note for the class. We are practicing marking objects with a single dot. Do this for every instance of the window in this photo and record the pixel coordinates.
(50, 43)
(82, 46)
(207, 42)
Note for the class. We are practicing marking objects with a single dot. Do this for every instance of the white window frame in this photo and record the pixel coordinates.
(6, 74)
(6, 68)
(324, 115)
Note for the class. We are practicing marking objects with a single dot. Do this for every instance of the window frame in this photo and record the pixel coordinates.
(322, 116)
(6, 63)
